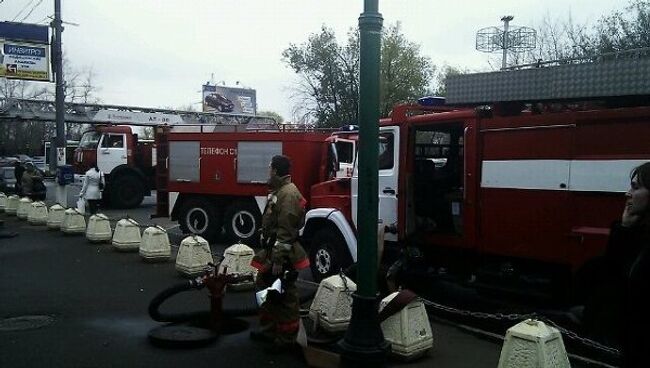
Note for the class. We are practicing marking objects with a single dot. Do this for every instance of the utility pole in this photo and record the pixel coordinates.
(364, 344)
(506, 22)
(61, 192)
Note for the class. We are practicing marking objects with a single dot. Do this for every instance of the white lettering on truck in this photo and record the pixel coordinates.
(216, 151)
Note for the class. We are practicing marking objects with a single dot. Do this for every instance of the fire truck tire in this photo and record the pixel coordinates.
(242, 221)
(198, 216)
(328, 254)
(126, 191)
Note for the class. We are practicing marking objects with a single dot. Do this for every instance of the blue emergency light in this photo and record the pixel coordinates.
(349, 128)
(431, 101)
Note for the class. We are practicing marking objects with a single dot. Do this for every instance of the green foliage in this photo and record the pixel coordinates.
(441, 76)
(328, 77)
(328, 87)
(405, 74)
(623, 30)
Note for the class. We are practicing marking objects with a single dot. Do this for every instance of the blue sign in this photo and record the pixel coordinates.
(24, 31)
(24, 50)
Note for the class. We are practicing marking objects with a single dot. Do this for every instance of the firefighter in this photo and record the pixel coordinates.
(281, 257)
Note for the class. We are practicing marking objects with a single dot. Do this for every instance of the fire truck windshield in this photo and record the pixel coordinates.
(89, 140)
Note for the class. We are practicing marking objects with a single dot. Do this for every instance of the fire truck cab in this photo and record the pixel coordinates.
(126, 160)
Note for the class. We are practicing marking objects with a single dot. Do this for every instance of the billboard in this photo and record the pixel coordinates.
(24, 51)
(229, 99)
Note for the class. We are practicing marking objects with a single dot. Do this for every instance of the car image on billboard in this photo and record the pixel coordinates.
(219, 102)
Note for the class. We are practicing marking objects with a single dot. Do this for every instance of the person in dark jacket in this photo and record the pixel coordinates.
(31, 182)
(628, 251)
(19, 169)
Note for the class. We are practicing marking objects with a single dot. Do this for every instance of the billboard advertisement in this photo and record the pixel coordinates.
(229, 99)
(24, 51)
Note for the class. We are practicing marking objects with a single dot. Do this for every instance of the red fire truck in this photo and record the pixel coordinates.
(127, 160)
(518, 193)
(210, 181)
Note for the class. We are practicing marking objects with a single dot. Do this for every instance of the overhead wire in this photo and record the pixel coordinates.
(32, 10)
(22, 10)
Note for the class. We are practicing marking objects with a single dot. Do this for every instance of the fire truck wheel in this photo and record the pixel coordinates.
(327, 254)
(242, 221)
(202, 218)
(126, 191)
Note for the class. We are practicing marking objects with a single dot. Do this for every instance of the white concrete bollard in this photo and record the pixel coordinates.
(155, 245)
(127, 237)
(332, 305)
(193, 256)
(533, 344)
(37, 214)
(73, 222)
(99, 229)
(237, 261)
(23, 208)
(408, 332)
(55, 217)
(3, 201)
(12, 205)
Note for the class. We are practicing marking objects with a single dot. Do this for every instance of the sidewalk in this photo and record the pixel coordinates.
(98, 299)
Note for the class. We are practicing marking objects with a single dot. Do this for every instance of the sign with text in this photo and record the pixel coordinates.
(126, 117)
(23, 60)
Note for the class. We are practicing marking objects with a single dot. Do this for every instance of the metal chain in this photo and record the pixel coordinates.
(345, 281)
(583, 340)
(480, 315)
(521, 317)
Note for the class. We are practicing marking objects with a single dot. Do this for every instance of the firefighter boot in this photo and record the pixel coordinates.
(265, 332)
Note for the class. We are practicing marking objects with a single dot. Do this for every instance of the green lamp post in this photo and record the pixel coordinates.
(364, 343)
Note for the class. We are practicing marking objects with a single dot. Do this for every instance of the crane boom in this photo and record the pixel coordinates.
(43, 110)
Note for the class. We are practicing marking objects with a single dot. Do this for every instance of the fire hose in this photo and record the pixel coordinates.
(191, 329)
(216, 284)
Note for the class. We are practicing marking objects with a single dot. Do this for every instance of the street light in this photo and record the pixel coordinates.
(364, 343)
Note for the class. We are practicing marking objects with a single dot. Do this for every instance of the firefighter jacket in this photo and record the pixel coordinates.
(283, 217)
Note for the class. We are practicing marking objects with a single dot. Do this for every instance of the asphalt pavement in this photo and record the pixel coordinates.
(92, 304)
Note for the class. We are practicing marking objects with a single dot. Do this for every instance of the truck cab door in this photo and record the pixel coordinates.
(112, 152)
(387, 180)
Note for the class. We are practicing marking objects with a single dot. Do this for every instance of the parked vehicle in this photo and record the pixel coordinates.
(7, 180)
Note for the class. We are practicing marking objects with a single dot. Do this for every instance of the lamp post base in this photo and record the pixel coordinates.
(364, 344)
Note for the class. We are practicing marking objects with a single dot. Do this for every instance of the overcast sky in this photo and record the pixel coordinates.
(158, 53)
